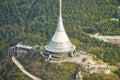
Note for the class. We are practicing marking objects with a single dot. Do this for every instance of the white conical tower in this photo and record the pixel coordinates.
(60, 42)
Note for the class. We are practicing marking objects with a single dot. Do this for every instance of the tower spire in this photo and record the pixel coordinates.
(60, 42)
(60, 12)
(60, 26)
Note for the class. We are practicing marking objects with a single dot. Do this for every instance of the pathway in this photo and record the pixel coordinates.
(23, 70)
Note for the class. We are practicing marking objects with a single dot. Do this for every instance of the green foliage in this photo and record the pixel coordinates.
(1, 78)
(118, 72)
(101, 77)
(48, 71)
(10, 71)
(34, 22)
(76, 42)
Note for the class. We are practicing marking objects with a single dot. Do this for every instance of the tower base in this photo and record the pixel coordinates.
(59, 56)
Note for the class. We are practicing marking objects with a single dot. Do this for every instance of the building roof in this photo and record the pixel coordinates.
(24, 46)
(60, 41)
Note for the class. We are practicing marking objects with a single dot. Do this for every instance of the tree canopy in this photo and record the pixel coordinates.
(34, 22)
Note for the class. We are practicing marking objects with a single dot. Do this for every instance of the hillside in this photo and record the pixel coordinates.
(34, 21)
(37, 66)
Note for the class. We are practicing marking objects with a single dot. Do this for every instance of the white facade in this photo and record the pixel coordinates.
(60, 42)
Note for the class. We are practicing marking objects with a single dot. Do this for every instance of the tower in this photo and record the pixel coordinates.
(60, 46)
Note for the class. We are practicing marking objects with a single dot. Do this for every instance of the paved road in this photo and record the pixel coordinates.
(23, 70)
(106, 38)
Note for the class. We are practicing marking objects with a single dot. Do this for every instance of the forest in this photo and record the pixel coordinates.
(33, 22)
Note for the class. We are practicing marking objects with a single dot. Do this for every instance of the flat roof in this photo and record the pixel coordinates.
(24, 46)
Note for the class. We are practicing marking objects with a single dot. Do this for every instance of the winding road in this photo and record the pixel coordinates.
(23, 70)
